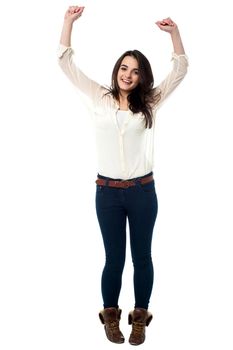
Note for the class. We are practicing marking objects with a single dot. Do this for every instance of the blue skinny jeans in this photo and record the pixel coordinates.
(113, 207)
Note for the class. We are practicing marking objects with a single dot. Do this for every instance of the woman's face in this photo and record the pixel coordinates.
(128, 74)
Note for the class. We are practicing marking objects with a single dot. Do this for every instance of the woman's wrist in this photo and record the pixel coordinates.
(68, 23)
(175, 33)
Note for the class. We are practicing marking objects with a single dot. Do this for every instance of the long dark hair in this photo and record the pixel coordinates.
(143, 97)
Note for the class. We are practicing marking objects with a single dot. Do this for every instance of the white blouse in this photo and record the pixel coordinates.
(121, 118)
(125, 148)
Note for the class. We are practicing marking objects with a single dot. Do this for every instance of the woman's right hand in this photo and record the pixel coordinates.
(73, 13)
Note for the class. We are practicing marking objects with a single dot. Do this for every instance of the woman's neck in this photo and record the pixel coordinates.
(123, 103)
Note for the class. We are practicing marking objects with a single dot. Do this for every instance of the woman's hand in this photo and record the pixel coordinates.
(167, 25)
(73, 13)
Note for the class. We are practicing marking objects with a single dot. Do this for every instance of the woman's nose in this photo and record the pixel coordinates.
(128, 74)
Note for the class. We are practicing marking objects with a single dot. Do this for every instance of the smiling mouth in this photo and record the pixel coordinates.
(126, 81)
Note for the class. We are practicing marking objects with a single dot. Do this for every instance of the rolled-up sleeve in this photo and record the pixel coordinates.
(174, 78)
(84, 84)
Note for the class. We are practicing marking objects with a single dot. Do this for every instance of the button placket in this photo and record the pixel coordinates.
(121, 132)
(122, 156)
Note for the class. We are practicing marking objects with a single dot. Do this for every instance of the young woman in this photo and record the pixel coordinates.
(124, 118)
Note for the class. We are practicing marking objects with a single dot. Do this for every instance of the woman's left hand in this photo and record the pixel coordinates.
(167, 25)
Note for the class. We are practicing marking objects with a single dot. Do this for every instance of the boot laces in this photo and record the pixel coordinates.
(138, 327)
(113, 327)
(113, 324)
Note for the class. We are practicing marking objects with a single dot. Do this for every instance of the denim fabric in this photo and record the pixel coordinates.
(114, 206)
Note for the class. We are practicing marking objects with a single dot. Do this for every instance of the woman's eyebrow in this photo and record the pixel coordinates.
(125, 65)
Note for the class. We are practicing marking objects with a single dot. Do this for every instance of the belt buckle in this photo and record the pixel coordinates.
(125, 183)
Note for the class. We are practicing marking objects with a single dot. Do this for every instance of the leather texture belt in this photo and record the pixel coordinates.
(123, 183)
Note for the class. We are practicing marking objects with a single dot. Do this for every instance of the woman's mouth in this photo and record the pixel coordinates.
(126, 81)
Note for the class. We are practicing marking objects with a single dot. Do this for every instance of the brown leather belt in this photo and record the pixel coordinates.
(123, 183)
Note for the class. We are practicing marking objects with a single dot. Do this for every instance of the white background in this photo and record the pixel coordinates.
(51, 253)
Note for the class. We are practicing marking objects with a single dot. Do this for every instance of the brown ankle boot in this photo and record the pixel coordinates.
(110, 317)
(139, 318)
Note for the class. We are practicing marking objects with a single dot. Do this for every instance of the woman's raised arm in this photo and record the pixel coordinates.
(171, 27)
(71, 15)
